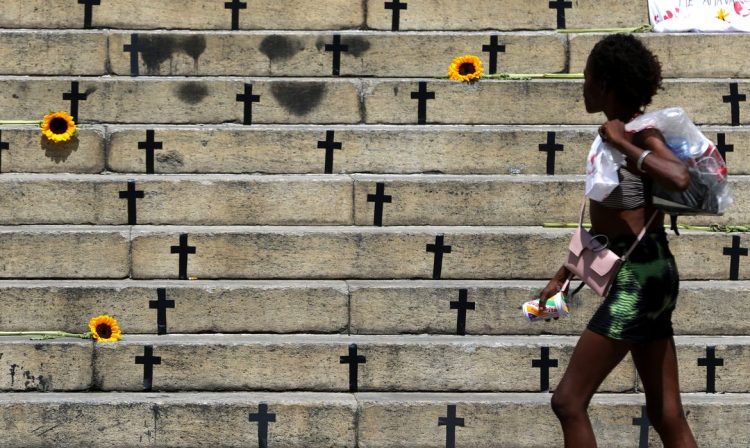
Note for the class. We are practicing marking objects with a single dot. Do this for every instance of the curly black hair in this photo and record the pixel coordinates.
(628, 68)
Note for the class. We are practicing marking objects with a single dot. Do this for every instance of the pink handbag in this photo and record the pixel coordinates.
(591, 261)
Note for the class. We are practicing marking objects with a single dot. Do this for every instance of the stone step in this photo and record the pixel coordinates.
(324, 15)
(346, 101)
(343, 420)
(217, 419)
(506, 420)
(373, 148)
(287, 149)
(185, 14)
(358, 307)
(390, 253)
(59, 52)
(307, 362)
(314, 252)
(211, 199)
(193, 199)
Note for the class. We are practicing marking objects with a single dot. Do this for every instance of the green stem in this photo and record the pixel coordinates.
(637, 29)
(20, 122)
(522, 76)
(50, 334)
(708, 228)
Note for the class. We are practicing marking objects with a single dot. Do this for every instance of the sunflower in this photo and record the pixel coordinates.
(722, 15)
(465, 68)
(58, 127)
(104, 329)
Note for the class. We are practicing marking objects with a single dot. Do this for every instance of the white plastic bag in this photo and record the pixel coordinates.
(708, 193)
(601, 170)
(699, 15)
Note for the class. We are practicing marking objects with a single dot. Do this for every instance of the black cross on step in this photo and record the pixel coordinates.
(493, 49)
(131, 194)
(161, 305)
(379, 198)
(88, 11)
(450, 422)
(149, 361)
(74, 96)
(722, 145)
(462, 305)
(551, 148)
(150, 145)
(439, 248)
(183, 250)
(644, 423)
(710, 362)
(329, 144)
(263, 418)
(4, 146)
(336, 48)
(560, 6)
(735, 252)
(354, 361)
(396, 6)
(544, 365)
(422, 96)
(734, 98)
(134, 47)
(248, 98)
(235, 6)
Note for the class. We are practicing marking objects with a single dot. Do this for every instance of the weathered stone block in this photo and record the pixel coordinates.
(50, 365)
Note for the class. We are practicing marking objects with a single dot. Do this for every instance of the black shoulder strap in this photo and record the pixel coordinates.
(673, 221)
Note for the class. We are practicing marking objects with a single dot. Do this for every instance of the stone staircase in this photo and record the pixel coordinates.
(320, 258)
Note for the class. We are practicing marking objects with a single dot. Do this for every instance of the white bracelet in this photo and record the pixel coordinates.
(639, 163)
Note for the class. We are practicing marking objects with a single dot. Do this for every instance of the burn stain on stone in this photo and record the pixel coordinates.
(298, 98)
(192, 92)
(280, 48)
(170, 159)
(357, 45)
(13, 368)
(155, 49)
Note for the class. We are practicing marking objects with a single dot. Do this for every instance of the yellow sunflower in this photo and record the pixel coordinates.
(105, 329)
(58, 127)
(465, 68)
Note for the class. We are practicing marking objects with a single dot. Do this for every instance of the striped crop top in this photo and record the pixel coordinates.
(631, 193)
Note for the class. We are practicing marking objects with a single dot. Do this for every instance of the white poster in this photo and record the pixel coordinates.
(700, 15)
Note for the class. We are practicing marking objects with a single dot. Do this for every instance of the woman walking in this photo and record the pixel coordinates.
(621, 77)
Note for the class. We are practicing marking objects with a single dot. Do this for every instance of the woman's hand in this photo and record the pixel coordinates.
(613, 132)
(552, 288)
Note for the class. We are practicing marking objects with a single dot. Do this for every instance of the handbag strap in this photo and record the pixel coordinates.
(640, 235)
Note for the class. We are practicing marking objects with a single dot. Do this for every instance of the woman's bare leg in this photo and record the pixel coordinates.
(657, 366)
(593, 358)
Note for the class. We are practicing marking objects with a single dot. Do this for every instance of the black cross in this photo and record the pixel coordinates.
(644, 423)
(235, 6)
(4, 146)
(544, 364)
(354, 361)
(493, 49)
(74, 96)
(735, 252)
(396, 6)
(379, 198)
(183, 249)
(134, 47)
(329, 144)
(423, 95)
(87, 11)
(131, 195)
(551, 148)
(150, 145)
(439, 249)
(161, 306)
(263, 418)
(710, 362)
(722, 146)
(462, 305)
(149, 361)
(336, 48)
(450, 422)
(248, 98)
(560, 6)
(735, 99)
